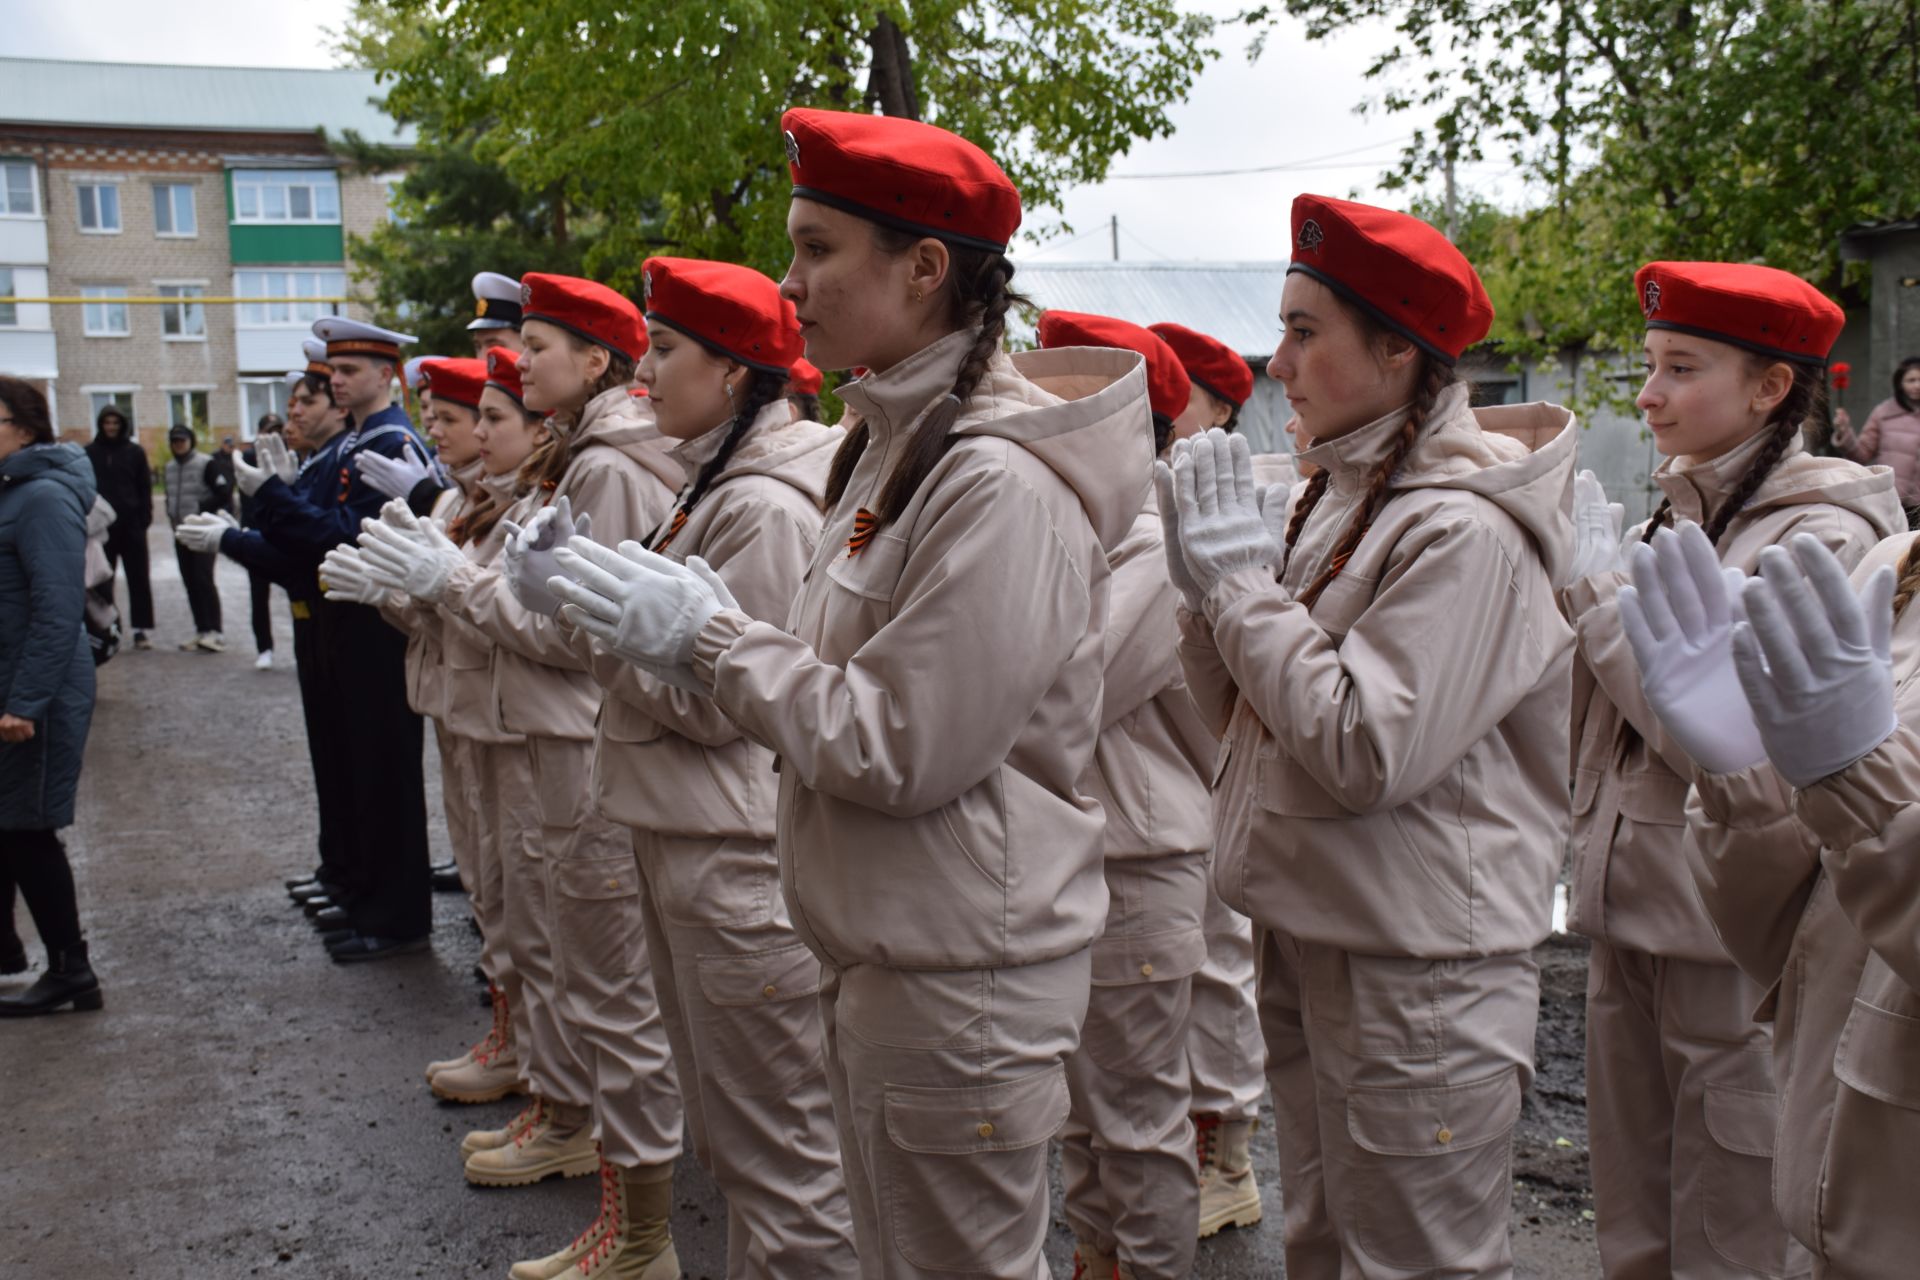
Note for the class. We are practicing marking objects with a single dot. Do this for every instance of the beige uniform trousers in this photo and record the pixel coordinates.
(549, 1050)
(1396, 1085)
(948, 1086)
(474, 831)
(1127, 1153)
(1224, 1049)
(1681, 1112)
(739, 993)
(600, 961)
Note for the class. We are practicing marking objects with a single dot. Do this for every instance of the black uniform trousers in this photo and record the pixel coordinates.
(327, 747)
(203, 597)
(261, 588)
(128, 542)
(380, 796)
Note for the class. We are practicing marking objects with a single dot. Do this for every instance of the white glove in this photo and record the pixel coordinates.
(1596, 528)
(343, 576)
(1277, 512)
(1221, 529)
(408, 555)
(1816, 661)
(203, 532)
(640, 606)
(395, 477)
(1679, 616)
(1177, 570)
(529, 553)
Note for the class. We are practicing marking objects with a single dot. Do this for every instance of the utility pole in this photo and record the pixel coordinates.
(1114, 226)
(1453, 218)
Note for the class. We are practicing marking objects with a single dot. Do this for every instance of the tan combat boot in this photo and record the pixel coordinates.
(533, 1113)
(634, 1243)
(556, 1264)
(485, 1079)
(1228, 1195)
(1091, 1264)
(562, 1144)
(500, 1030)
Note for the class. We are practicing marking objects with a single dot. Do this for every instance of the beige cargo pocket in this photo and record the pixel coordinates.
(1138, 1030)
(597, 911)
(1434, 1183)
(762, 1022)
(1736, 1206)
(966, 1170)
(1866, 1213)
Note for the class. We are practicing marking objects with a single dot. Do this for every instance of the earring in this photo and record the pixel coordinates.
(729, 387)
(917, 296)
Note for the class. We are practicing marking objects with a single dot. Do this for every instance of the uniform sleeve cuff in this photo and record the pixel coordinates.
(1235, 587)
(1861, 801)
(1753, 798)
(1585, 594)
(713, 640)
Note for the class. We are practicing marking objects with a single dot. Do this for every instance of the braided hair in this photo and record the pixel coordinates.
(763, 388)
(1909, 584)
(1162, 433)
(982, 295)
(808, 407)
(1802, 401)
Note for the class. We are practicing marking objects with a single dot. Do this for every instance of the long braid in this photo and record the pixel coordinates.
(1909, 583)
(1316, 490)
(845, 459)
(1435, 378)
(762, 390)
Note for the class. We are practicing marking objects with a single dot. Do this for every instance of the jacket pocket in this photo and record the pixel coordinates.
(1657, 799)
(966, 1170)
(761, 1023)
(1414, 1140)
(1736, 1207)
(874, 574)
(1866, 1218)
(1283, 787)
(621, 721)
(1341, 604)
(1878, 1053)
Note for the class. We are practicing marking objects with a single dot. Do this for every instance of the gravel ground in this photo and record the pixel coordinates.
(243, 1107)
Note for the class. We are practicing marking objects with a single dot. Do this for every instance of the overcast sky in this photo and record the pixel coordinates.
(1293, 107)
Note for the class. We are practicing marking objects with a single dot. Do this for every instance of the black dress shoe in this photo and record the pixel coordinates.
(363, 947)
(334, 937)
(332, 918)
(315, 890)
(314, 906)
(447, 880)
(13, 956)
(69, 979)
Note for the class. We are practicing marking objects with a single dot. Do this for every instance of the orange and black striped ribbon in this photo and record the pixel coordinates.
(673, 530)
(865, 525)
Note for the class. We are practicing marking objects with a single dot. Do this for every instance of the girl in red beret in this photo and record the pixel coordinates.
(933, 697)
(604, 466)
(803, 391)
(1680, 1091)
(1388, 666)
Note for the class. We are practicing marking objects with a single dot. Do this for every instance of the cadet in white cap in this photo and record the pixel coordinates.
(496, 313)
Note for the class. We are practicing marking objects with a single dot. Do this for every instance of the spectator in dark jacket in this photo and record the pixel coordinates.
(125, 480)
(195, 486)
(260, 586)
(46, 685)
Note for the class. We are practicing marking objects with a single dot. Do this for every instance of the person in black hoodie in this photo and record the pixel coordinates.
(270, 424)
(125, 480)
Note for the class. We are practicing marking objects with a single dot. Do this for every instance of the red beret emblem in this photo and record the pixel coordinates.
(1311, 236)
(793, 148)
(646, 285)
(1650, 299)
(526, 295)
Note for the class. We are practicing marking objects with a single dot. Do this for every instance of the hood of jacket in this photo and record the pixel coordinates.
(624, 422)
(59, 463)
(1519, 457)
(797, 453)
(101, 440)
(1696, 490)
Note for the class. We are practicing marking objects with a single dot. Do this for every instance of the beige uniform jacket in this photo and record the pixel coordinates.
(1393, 780)
(935, 698)
(668, 760)
(425, 665)
(620, 473)
(1630, 881)
(1816, 896)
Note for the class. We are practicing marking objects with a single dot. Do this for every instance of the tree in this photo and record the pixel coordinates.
(660, 124)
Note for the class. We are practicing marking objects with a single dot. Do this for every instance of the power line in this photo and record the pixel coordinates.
(1265, 168)
(1064, 243)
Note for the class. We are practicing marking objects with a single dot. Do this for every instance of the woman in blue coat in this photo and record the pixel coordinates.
(46, 684)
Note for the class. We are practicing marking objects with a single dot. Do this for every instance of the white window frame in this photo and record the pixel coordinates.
(33, 179)
(79, 209)
(276, 391)
(97, 295)
(160, 287)
(260, 180)
(197, 389)
(92, 391)
(9, 288)
(193, 210)
(297, 313)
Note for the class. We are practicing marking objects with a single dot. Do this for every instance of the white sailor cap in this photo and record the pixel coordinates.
(415, 378)
(346, 337)
(496, 302)
(316, 353)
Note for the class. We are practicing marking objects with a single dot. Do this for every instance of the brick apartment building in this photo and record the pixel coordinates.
(122, 182)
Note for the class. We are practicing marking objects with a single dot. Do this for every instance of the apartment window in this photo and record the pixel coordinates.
(187, 409)
(291, 195)
(19, 189)
(103, 317)
(99, 207)
(173, 210)
(9, 311)
(279, 292)
(120, 398)
(183, 321)
(258, 397)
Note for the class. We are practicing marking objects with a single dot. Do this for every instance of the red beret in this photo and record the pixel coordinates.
(735, 310)
(902, 174)
(503, 371)
(1168, 387)
(456, 380)
(805, 379)
(1212, 364)
(1762, 309)
(1396, 268)
(585, 309)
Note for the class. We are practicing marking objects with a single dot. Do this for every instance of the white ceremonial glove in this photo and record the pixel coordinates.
(1190, 594)
(640, 606)
(395, 477)
(1596, 528)
(203, 532)
(1221, 529)
(529, 553)
(1277, 513)
(343, 576)
(1816, 661)
(408, 555)
(276, 458)
(1679, 616)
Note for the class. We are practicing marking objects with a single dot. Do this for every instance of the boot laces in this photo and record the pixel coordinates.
(535, 1126)
(607, 1224)
(489, 1046)
(1206, 1141)
(528, 1118)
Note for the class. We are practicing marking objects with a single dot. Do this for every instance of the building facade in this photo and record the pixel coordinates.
(188, 224)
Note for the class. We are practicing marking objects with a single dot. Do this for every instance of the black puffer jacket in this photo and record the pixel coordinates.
(121, 471)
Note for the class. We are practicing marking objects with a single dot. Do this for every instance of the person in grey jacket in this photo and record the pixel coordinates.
(196, 486)
(46, 686)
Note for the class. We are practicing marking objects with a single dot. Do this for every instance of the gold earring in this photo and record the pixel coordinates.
(917, 297)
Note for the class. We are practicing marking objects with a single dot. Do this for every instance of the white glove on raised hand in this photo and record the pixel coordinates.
(529, 553)
(203, 532)
(406, 554)
(1177, 570)
(1596, 528)
(1816, 660)
(343, 576)
(1679, 616)
(395, 477)
(642, 607)
(1221, 529)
